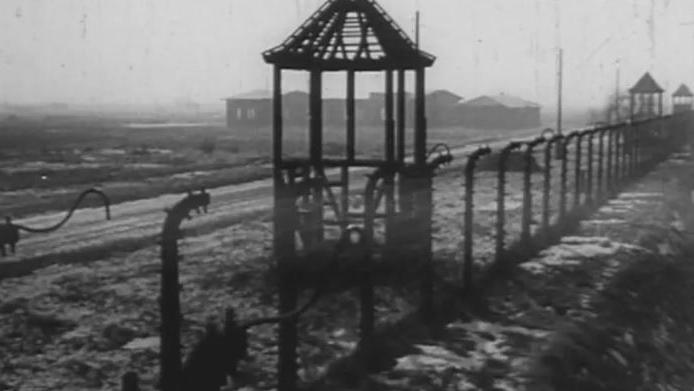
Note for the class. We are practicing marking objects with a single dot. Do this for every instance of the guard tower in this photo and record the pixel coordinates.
(682, 99)
(316, 198)
(643, 96)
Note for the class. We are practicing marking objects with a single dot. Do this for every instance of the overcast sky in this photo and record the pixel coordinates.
(163, 51)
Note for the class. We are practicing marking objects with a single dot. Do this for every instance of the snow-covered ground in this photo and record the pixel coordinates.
(80, 327)
(546, 295)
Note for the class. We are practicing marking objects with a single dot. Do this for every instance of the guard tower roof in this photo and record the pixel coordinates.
(646, 85)
(349, 35)
(683, 91)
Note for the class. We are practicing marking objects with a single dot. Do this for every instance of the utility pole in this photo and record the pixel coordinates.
(616, 95)
(416, 29)
(560, 64)
(560, 77)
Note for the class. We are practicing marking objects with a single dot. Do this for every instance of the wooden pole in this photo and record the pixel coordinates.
(401, 116)
(390, 121)
(316, 118)
(277, 118)
(350, 109)
(560, 81)
(316, 151)
(351, 137)
(416, 27)
(617, 116)
(283, 226)
(420, 136)
(390, 156)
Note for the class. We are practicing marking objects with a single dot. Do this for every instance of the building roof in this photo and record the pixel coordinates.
(500, 100)
(445, 93)
(349, 35)
(252, 95)
(683, 91)
(646, 85)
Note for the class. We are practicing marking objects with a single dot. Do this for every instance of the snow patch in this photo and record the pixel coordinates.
(149, 343)
(509, 205)
(584, 239)
(572, 251)
(604, 222)
(628, 202)
(490, 341)
(497, 329)
(631, 195)
(433, 358)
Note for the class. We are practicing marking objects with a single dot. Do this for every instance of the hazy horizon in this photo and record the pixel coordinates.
(174, 51)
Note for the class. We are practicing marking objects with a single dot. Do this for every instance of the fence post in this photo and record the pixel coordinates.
(589, 174)
(527, 190)
(170, 349)
(618, 156)
(601, 161)
(609, 180)
(546, 193)
(629, 140)
(577, 170)
(615, 158)
(169, 302)
(469, 211)
(500, 199)
(366, 288)
(636, 169)
(564, 176)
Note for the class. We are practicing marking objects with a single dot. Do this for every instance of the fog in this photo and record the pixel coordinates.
(177, 51)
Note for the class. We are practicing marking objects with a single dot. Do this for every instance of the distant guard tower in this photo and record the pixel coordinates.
(682, 99)
(642, 98)
(314, 196)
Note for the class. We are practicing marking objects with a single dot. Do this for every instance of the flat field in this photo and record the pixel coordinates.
(81, 326)
(45, 161)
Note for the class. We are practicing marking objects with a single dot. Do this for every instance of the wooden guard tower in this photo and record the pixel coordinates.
(314, 196)
(682, 99)
(642, 98)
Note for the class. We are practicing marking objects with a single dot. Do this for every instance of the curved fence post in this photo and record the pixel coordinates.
(589, 169)
(563, 190)
(547, 188)
(527, 190)
(469, 214)
(636, 134)
(169, 302)
(629, 142)
(626, 152)
(600, 180)
(621, 153)
(578, 170)
(366, 287)
(500, 199)
(609, 184)
(617, 158)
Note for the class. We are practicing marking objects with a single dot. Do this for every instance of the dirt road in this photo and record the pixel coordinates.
(139, 222)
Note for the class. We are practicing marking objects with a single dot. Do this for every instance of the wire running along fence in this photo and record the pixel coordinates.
(517, 200)
(560, 180)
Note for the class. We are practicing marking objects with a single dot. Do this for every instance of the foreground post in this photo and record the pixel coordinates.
(469, 212)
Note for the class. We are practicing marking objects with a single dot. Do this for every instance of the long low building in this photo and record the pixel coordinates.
(444, 109)
(499, 112)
